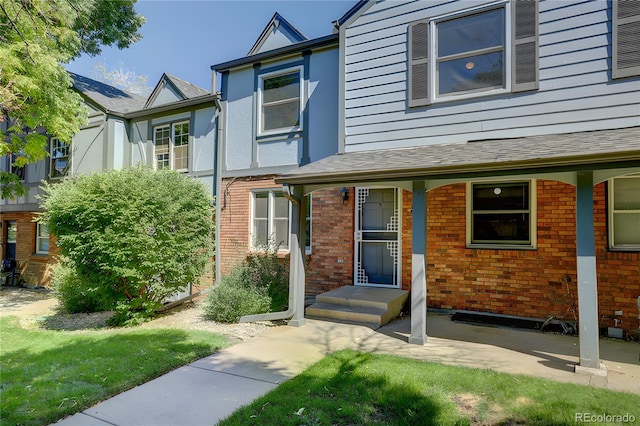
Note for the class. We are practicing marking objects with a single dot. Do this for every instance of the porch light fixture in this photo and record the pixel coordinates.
(497, 191)
(470, 65)
(344, 193)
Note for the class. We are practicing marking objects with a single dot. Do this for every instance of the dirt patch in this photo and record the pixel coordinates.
(38, 308)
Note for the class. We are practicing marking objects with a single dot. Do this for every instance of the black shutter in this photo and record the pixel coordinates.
(626, 38)
(524, 58)
(418, 63)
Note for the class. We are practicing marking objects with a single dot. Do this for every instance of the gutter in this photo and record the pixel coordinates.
(272, 316)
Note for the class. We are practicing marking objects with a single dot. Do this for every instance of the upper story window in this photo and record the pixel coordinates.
(16, 170)
(624, 213)
(60, 160)
(476, 52)
(501, 214)
(281, 101)
(469, 54)
(171, 146)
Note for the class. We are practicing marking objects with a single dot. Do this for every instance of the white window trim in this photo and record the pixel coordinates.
(270, 217)
(610, 214)
(302, 96)
(433, 55)
(39, 238)
(172, 145)
(533, 213)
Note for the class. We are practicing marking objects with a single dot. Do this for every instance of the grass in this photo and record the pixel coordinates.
(46, 375)
(351, 388)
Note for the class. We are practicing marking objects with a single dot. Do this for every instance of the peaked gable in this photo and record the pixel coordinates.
(278, 33)
(173, 89)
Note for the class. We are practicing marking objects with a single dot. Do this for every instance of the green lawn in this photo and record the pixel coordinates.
(351, 388)
(46, 375)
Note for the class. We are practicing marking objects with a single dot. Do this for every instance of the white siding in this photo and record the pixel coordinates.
(576, 91)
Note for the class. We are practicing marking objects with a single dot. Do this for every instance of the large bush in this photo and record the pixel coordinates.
(259, 284)
(132, 237)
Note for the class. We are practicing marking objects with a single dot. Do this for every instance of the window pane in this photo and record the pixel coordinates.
(281, 207)
(12, 232)
(260, 208)
(501, 227)
(181, 134)
(162, 161)
(281, 234)
(471, 73)
(626, 229)
(281, 115)
(501, 196)
(260, 231)
(281, 87)
(626, 194)
(181, 157)
(469, 33)
(162, 136)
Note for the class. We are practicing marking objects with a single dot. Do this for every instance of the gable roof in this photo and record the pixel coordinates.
(109, 98)
(276, 22)
(568, 151)
(182, 88)
(356, 9)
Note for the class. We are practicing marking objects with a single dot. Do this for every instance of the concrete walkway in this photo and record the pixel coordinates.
(210, 389)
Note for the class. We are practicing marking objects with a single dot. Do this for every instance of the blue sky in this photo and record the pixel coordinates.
(184, 38)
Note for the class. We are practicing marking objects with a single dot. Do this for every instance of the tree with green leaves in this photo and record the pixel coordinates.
(36, 38)
(129, 238)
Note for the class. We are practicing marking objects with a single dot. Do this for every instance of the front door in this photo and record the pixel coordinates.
(377, 238)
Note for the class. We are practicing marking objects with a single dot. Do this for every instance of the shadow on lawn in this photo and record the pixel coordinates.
(342, 389)
(54, 375)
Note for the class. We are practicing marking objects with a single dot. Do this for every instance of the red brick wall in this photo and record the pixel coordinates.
(34, 269)
(529, 283)
(330, 264)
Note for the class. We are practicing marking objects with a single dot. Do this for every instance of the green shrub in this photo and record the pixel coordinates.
(76, 294)
(134, 236)
(234, 297)
(258, 285)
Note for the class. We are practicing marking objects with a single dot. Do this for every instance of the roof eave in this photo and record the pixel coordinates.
(594, 161)
(259, 57)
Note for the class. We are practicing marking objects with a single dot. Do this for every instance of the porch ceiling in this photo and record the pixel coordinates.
(559, 152)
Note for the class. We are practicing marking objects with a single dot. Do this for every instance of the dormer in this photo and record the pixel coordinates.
(278, 33)
(173, 89)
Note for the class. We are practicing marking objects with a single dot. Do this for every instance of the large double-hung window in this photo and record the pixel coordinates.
(470, 53)
(171, 146)
(281, 101)
(473, 52)
(270, 220)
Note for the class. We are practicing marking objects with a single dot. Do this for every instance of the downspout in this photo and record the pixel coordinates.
(272, 316)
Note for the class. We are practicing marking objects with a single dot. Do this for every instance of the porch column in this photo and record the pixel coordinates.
(587, 281)
(297, 252)
(418, 265)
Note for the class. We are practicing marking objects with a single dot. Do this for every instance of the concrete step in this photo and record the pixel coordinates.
(356, 314)
(371, 305)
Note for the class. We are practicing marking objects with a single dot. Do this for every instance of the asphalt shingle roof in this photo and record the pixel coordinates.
(558, 150)
(188, 90)
(109, 97)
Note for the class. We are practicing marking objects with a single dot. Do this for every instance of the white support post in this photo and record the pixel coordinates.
(297, 253)
(587, 277)
(418, 265)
